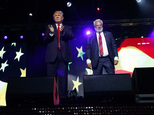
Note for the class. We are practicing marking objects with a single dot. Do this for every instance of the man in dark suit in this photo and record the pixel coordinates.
(101, 50)
(58, 52)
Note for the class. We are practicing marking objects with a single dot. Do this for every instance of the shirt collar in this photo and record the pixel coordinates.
(60, 24)
(99, 32)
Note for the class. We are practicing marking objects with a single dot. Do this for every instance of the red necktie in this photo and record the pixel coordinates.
(100, 45)
(55, 93)
(59, 36)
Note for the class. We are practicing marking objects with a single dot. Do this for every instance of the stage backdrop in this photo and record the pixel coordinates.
(18, 60)
(135, 53)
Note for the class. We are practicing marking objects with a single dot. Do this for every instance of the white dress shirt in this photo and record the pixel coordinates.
(105, 49)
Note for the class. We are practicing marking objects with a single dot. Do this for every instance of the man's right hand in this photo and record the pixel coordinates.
(89, 65)
(51, 28)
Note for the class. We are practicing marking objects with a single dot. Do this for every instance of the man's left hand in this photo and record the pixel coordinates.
(115, 62)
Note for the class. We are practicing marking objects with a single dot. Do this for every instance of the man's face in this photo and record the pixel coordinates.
(98, 26)
(58, 17)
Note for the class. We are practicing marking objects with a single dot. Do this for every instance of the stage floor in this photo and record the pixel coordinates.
(85, 109)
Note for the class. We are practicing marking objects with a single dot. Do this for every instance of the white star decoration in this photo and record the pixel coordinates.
(13, 44)
(4, 65)
(2, 53)
(76, 84)
(18, 55)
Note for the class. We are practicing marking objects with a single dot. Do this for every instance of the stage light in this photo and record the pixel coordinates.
(43, 34)
(98, 9)
(151, 34)
(88, 32)
(5, 37)
(21, 37)
(69, 4)
(138, 1)
(30, 14)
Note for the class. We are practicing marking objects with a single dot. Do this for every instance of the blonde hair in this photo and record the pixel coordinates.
(58, 11)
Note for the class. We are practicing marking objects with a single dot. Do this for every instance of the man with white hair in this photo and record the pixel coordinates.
(101, 50)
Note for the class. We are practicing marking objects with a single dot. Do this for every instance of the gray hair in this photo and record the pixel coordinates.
(98, 20)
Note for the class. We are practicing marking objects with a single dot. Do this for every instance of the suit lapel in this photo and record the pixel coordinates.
(106, 38)
(95, 43)
(105, 35)
(61, 32)
(55, 29)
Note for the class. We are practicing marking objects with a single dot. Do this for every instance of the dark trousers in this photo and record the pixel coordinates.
(104, 63)
(59, 70)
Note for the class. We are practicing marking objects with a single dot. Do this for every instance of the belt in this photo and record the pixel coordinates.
(103, 56)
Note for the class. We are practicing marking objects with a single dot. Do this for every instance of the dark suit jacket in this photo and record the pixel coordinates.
(52, 44)
(92, 50)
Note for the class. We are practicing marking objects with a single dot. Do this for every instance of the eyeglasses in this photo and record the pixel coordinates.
(98, 25)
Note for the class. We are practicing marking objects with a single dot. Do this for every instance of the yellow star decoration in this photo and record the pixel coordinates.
(3, 87)
(76, 84)
(18, 55)
(23, 72)
(80, 52)
(2, 53)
